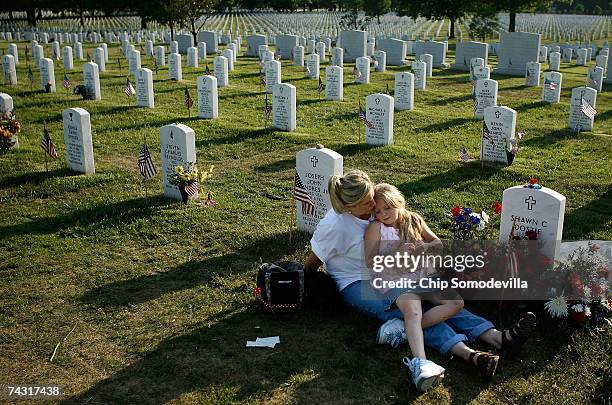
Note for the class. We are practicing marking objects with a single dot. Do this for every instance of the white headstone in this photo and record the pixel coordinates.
(516, 49)
(363, 66)
(284, 107)
(221, 71)
(184, 41)
(78, 51)
(354, 44)
(403, 91)
(314, 167)
(174, 47)
(311, 45)
(208, 104)
(229, 54)
(67, 59)
(91, 80)
(262, 50)
(234, 48)
(466, 51)
(334, 86)
(144, 88)
(551, 89)
(578, 120)
(55, 50)
(47, 74)
(481, 72)
(320, 50)
(253, 44)
(312, 66)
(177, 142)
(12, 50)
(600, 61)
(379, 112)
(38, 54)
(532, 74)
(210, 39)
(298, 56)
(381, 60)
(105, 48)
(273, 75)
(581, 59)
(529, 209)
(543, 55)
(160, 57)
(192, 57)
(420, 74)
(499, 128)
(99, 59)
(285, 45)
(6, 103)
(134, 61)
(436, 49)
(149, 47)
(77, 140)
(428, 59)
(9, 74)
(554, 61)
(337, 58)
(595, 78)
(395, 50)
(175, 70)
(485, 93)
(567, 55)
(202, 50)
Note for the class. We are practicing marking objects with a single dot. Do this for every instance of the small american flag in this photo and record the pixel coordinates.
(27, 53)
(88, 57)
(262, 77)
(145, 163)
(192, 189)
(356, 73)
(267, 109)
(31, 75)
(387, 92)
(486, 134)
(301, 195)
(587, 109)
(47, 144)
(129, 89)
(207, 70)
(550, 84)
(156, 67)
(474, 100)
(66, 83)
(591, 82)
(362, 117)
(188, 99)
(463, 155)
(320, 88)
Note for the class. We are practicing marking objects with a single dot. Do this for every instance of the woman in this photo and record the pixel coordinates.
(338, 242)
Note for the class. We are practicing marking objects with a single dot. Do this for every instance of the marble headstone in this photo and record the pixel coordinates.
(144, 88)
(91, 80)
(516, 49)
(551, 89)
(403, 91)
(578, 120)
(177, 142)
(334, 89)
(379, 112)
(284, 107)
(78, 141)
(499, 126)
(208, 104)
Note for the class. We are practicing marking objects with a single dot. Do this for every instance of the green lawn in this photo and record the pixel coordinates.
(160, 294)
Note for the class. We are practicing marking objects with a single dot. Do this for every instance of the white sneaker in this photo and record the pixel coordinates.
(392, 333)
(425, 373)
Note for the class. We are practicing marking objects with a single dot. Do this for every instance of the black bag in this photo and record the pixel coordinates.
(280, 286)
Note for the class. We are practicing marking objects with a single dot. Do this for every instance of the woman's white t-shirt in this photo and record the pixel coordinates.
(338, 242)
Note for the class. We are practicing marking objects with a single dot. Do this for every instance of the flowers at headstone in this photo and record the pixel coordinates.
(9, 127)
(467, 224)
(83, 91)
(189, 179)
(585, 282)
(533, 183)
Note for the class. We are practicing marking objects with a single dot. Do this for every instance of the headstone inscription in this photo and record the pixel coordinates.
(221, 71)
(583, 101)
(91, 80)
(499, 126)
(379, 112)
(208, 103)
(532, 74)
(177, 142)
(78, 141)
(551, 89)
(420, 74)
(175, 70)
(284, 107)
(144, 88)
(334, 86)
(485, 93)
(403, 91)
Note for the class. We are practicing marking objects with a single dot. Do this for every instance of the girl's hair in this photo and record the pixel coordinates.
(349, 190)
(410, 223)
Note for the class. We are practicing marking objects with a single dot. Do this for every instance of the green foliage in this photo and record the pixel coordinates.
(482, 25)
(376, 8)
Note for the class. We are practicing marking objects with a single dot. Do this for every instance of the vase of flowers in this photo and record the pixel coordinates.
(9, 128)
(189, 179)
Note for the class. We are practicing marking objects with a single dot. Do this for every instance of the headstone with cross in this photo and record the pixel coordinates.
(379, 112)
(177, 142)
(582, 97)
(144, 88)
(313, 168)
(403, 91)
(498, 133)
(334, 88)
(284, 107)
(78, 141)
(539, 210)
(485, 94)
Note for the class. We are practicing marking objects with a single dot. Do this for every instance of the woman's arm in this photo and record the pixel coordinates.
(312, 263)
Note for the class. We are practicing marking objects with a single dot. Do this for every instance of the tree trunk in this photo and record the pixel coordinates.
(31, 15)
(194, 32)
(171, 31)
(81, 15)
(512, 24)
(452, 28)
(143, 23)
(378, 18)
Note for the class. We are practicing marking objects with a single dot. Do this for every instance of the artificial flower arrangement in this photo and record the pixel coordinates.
(189, 178)
(586, 296)
(469, 225)
(9, 127)
(513, 148)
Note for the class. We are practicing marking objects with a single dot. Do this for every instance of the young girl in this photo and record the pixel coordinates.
(398, 230)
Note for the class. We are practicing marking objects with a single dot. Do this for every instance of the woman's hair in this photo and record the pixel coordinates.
(410, 223)
(348, 190)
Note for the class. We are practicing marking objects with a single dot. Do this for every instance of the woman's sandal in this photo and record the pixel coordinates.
(486, 363)
(519, 332)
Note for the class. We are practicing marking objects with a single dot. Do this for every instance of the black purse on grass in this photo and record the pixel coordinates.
(280, 287)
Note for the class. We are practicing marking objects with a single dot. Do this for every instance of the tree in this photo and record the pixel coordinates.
(484, 24)
(376, 8)
(437, 9)
(351, 20)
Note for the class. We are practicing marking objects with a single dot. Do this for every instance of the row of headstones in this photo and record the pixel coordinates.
(525, 209)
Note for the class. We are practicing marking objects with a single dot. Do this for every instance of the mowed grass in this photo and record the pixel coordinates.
(160, 294)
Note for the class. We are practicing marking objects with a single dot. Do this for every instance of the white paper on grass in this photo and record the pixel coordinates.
(264, 342)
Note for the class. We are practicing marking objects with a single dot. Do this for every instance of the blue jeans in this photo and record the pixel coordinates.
(463, 327)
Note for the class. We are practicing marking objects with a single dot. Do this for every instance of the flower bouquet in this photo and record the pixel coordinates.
(469, 225)
(9, 128)
(188, 179)
(586, 295)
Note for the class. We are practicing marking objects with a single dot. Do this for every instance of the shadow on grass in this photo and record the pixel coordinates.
(579, 223)
(35, 178)
(529, 106)
(454, 99)
(238, 135)
(467, 172)
(549, 138)
(275, 167)
(194, 273)
(443, 126)
(99, 215)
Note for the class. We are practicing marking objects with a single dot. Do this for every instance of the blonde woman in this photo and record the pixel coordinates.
(338, 241)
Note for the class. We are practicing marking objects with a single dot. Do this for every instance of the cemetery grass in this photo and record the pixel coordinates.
(151, 301)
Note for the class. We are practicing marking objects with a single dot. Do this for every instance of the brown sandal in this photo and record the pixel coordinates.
(486, 363)
(519, 332)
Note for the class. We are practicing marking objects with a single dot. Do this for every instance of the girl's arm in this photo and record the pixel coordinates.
(312, 263)
(432, 242)
(371, 242)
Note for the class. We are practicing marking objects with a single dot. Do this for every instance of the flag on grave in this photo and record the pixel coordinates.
(362, 117)
(129, 89)
(192, 189)
(587, 109)
(47, 144)
(301, 194)
(463, 155)
(550, 84)
(320, 87)
(188, 99)
(267, 109)
(145, 163)
(207, 70)
(356, 73)
(486, 134)
(66, 83)
(591, 82)
(30, 76)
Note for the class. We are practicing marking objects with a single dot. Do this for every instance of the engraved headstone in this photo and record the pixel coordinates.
(363, 66)
(253, 43)
(144, 88)
(554, 62)
(67, 60)
(595, 78)
(99, 59)
(175, 70)
(160, 57)
(581, 59)
(320, 50)
(177, 142)
(582, 97)
(532, 74)
(436, 49)
(9, 74)
(313, 169)
(221, 71)
(466, 51)
(381, 60)
(91, 80)
(208, 103)
(192, 57)
(184, 41)
(420, 74)
(134, 61)
(334, 86)
(379, 112)
(47, 74)
(543, 55)
(229, 54)
(298, 56)
(285, 45)
(77, 140)
(516, 49)
(211, 41)
(499, 128)
(486, 96)
(403, 91)
(174, 47)
(312, 66)
(395, 50)
(273, 74)
(337, 58)
(551, 89)
(354, 44)
(428, 59)
(567, 55)
(284, 107)
(202, 50)
(12, 50)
